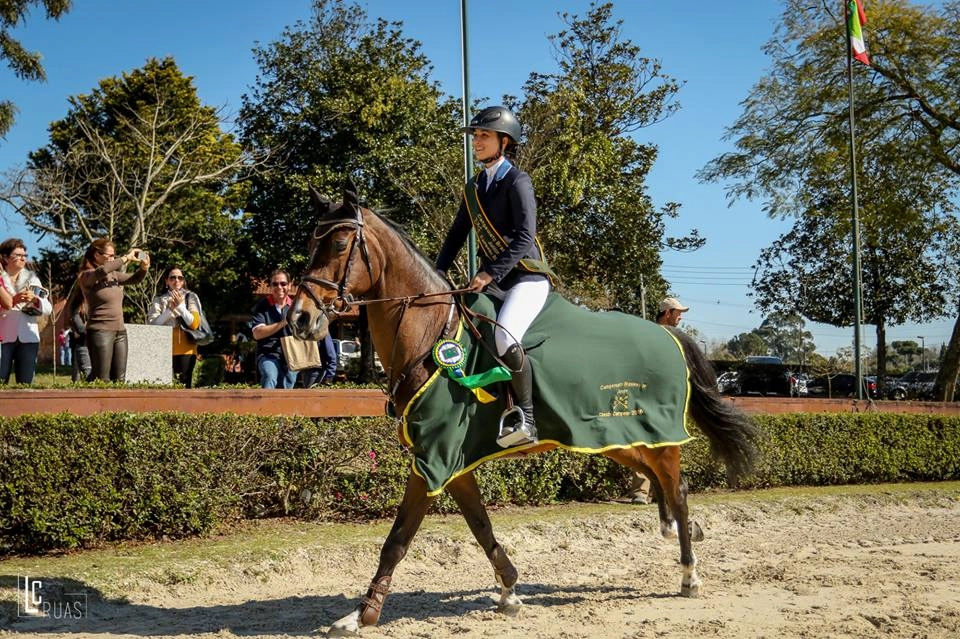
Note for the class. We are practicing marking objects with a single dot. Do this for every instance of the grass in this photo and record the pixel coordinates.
(252, 543)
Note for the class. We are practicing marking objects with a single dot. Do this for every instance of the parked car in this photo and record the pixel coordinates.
(728, 383)
(764, 374)
(841, 385)
(916, 385)
(348, 358)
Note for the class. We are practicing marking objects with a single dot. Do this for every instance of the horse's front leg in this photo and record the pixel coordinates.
(466, 493)
(410, 515)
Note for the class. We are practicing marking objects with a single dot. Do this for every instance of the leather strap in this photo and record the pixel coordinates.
(372, 602)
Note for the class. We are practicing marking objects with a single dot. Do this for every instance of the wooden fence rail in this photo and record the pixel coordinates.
(354, 402)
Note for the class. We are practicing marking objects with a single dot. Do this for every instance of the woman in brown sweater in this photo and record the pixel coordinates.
(102, 281)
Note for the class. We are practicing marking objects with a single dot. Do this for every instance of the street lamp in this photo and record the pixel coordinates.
(704, 344)
(923, 352)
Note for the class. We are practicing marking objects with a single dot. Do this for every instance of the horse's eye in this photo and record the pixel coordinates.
(340, 245)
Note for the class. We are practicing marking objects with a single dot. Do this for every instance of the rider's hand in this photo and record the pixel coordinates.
(480, 281)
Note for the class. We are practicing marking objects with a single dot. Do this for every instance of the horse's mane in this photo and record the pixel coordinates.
(425, 263)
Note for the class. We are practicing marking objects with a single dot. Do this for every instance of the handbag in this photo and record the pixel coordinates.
(203, 334)
(300, 354)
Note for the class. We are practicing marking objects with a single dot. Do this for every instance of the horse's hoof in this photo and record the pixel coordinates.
(691, 590)
(348, 626)
(510, 604)
(696, 532)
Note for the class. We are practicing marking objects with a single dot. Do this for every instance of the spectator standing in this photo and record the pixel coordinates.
(668, 314)
(63, 344)
(102, 280)
(77, 316)
(269, 324)
(19, 330)
(178, 307)
(328, 371)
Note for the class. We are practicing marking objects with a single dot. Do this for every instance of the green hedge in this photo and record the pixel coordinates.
(68, 481)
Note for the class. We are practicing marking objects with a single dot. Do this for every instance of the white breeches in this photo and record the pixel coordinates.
(521, 306)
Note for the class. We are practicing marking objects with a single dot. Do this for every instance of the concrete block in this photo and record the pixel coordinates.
(149, 354)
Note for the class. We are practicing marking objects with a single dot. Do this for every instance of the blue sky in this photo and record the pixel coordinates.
(715, 49)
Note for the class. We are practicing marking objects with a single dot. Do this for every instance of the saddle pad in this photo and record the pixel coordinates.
(602, 380)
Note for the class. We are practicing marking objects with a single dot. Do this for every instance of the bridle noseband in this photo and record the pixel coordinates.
(344, 300)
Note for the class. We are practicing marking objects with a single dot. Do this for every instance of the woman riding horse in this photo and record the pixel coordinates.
(500, 205)
(355, 253)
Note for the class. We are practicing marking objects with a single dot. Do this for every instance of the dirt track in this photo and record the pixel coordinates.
(885, 565)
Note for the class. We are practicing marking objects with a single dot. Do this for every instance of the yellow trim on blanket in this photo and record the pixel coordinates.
(686, 404)
(408, 441)
(573, 449)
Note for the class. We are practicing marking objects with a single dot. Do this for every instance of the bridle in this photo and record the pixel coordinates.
(344, 300)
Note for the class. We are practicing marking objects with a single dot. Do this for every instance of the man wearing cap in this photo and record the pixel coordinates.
(670, 311)
(668, 315)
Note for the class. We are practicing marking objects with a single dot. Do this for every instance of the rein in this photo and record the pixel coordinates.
(344, 301)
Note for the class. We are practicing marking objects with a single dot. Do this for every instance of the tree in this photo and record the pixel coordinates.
(907, 248)
(908, 349)
(599, 227)
(790, 135)
(746, 344)
(25, 64)
(141, 161)
(340, 96)
(785, 336)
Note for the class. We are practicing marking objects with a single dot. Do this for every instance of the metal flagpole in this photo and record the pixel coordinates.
(467, 146)
(857, 306)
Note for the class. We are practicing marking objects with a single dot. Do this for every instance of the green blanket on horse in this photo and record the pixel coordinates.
(601, 381)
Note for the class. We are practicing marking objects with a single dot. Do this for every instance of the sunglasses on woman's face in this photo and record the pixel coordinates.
(179, 278)
(279, 283)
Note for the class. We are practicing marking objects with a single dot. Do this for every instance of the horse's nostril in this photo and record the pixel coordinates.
(302, 321)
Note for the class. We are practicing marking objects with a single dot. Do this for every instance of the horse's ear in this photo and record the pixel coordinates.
(321, 203)
(350, 193)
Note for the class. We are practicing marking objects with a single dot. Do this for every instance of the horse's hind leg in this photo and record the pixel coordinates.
(466, 493)
(663, 464)
(410, 515)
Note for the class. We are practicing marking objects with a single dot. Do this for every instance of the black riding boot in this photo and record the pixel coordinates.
(517, 425)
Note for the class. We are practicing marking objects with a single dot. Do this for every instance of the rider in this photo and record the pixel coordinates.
(499, 203)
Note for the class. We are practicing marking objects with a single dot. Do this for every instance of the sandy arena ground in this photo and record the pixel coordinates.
(813, 567)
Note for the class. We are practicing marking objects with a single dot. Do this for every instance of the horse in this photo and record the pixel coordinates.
(357, 256)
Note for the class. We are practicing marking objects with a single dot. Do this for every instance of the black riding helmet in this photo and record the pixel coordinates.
(496, 118)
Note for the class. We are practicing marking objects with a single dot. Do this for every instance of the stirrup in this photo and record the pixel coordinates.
(523, 433)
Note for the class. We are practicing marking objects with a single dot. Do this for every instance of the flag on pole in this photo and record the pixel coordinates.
(856, 18)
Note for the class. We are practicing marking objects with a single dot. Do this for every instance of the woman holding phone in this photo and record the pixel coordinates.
(22, 301)
(102, 280)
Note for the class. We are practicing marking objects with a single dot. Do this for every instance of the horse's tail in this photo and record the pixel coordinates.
(732, 433)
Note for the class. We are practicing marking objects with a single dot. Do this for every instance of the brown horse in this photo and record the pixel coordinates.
(355, 254)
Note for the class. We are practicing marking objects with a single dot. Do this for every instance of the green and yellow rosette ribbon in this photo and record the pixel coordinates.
(450, 356)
